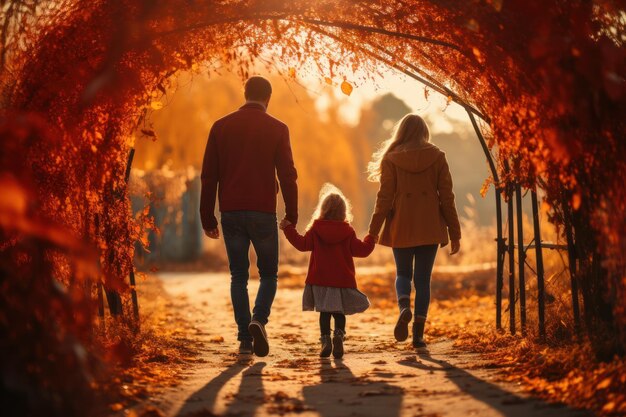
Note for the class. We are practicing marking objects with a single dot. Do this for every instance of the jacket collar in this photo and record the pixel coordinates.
(253, 105)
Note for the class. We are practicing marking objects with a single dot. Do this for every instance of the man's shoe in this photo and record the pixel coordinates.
(401, 331)
(327, 347)
(245, 347)
(260, 345)
(338, 343)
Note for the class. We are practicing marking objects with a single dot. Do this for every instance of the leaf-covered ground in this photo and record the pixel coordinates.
(471, 369)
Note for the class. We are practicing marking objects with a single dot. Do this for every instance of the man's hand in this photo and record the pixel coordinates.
(455, 247)
(284, 223)
(213, 233)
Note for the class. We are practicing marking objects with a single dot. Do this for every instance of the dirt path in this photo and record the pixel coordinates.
(377, 376)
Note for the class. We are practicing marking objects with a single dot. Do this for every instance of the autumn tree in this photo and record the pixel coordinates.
(545, 77)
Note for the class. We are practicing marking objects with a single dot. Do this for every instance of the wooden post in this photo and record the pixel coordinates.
(511, 250)
(100, 300)
(133, 294)
(571, 252)
(521, 257)
(500, 243)
(133, 284)
(500, 252)
(541, 292)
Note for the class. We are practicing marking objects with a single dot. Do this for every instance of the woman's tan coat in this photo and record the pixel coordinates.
(415, 201)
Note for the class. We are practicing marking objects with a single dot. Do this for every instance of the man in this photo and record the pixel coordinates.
(245, 152)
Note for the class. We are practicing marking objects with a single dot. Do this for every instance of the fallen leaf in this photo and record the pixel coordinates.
(604, 384)
(116, 406)
(346, 88)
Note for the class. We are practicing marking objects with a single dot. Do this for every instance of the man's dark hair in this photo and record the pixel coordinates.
(257, 88)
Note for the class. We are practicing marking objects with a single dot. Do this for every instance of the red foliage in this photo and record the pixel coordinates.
(547, 77)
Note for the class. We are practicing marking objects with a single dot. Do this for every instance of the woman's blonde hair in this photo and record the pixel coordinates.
(410, 129)
(332, 205)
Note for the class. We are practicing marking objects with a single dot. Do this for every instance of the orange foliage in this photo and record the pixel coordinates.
(547, 77)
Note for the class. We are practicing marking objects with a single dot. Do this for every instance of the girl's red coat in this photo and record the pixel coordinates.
(333, 244)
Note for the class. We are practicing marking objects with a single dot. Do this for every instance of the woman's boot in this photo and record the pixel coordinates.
(401, 331)
(418, 334)
(327, 346)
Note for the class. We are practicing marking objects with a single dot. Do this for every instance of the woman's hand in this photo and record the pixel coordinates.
(455, 247)
(213, 233)
(284, 223)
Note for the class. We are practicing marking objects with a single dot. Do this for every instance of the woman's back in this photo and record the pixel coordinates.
(415, 201)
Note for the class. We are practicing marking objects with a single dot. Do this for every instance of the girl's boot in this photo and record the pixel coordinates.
(327, 346)
(418, 335)
(338, 337)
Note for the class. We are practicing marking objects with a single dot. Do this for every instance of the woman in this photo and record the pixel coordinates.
(416, 204)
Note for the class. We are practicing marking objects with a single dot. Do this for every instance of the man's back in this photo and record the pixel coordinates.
(245, 151)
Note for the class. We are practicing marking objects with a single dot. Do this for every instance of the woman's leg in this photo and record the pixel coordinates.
(340, 323)
(325, 323)
(404, 274)
(424, 261)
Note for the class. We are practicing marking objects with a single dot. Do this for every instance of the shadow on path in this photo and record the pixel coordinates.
(340, 393)
(245, 402)
(506, 403)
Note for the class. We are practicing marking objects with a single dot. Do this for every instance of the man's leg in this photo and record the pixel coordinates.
(237, 245)
(263, 232)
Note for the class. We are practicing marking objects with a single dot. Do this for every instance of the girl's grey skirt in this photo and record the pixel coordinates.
(334, 300)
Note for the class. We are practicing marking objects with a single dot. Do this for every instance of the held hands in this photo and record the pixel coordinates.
(371, 238)
(455, 247)
(284, 223)
(213, 233)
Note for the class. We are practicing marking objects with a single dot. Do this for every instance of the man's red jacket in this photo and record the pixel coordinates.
(245, 152)
(333, 244)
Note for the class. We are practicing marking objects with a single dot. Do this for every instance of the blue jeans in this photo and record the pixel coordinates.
(240, 228)
(424, 258)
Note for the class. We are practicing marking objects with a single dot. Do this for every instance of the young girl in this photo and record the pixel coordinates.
(330, 283)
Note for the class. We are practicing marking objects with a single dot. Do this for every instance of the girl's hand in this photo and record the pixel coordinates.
(455, 247)
(284, 223)
(371, 238)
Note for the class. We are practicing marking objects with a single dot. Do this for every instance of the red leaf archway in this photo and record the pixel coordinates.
(547, 77)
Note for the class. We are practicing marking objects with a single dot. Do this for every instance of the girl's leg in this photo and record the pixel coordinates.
(327, 346)
(325, 323)
(404, 274)
(424, 261)
(340, 323)
(340, 331)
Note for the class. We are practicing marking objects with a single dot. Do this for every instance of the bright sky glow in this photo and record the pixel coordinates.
(391, 81)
